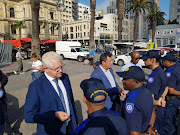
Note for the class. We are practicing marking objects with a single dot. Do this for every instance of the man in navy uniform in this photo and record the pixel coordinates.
(101, 121)
(138, 105)
(173, 96)
(157, 82)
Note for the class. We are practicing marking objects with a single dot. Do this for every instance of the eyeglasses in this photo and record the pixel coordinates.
(58, 68)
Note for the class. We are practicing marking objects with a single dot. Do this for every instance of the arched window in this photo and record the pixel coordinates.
(13, 31)
(12, 14)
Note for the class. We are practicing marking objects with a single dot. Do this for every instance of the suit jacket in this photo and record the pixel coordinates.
(99, 74)
(3, 80)
(42, 102)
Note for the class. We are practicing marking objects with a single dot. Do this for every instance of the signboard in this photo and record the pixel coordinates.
(103, 25)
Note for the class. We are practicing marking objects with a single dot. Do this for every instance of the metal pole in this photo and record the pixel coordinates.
(60, 27)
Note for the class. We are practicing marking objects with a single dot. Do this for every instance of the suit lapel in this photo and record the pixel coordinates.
(104, 76)
(52, 90)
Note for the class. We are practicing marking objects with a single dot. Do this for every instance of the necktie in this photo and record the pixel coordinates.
(61, 96)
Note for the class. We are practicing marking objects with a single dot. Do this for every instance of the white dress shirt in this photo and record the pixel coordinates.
(61, 85)
(109, 76)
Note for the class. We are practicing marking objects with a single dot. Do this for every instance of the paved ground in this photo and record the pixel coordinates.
(18, 85)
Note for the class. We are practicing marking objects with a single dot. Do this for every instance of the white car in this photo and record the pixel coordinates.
(175, 47)
(126, 58)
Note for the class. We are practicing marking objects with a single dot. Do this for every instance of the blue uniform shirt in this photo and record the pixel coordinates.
(137, 112)
(103, 122)
(157, 82)
(174, 76)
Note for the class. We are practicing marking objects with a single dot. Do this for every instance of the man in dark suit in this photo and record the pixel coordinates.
(49, 101)
(105, 73)
(3, 102)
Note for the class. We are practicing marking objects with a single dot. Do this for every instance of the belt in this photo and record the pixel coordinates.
(169, 98)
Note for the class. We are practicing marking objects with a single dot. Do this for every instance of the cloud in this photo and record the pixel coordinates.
(103, 5)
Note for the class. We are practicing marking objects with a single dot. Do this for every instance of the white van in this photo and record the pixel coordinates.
(72, 50)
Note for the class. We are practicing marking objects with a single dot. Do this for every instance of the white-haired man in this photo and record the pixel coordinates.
(49, 101)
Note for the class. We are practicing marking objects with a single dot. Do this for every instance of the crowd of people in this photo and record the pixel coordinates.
(140, 107)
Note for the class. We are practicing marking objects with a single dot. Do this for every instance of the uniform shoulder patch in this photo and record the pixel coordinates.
(129, 107)
(168, 74)
(151, 80)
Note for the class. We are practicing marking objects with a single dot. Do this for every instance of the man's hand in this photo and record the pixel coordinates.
(161, 102)
(33, 68)
(119, 90)
(152, 131)
(123, 94)
(62, 116)
(0, 85)
(171, 90)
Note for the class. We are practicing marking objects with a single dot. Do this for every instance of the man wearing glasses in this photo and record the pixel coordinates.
(49, 101)
(135, 55)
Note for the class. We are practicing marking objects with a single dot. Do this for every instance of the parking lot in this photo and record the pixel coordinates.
(18, 85)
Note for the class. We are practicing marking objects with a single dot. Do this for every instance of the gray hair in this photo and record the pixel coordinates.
(48, 57)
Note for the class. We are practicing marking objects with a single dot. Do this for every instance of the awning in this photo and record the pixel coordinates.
(48, 41)
(26, 39)
(16, 43)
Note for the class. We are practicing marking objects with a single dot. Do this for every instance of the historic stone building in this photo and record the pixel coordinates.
(20, 10)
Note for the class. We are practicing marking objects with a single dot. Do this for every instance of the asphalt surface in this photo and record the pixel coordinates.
(18, 85)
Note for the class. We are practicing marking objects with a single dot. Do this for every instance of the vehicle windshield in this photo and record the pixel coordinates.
(170, 46)
(79, 49)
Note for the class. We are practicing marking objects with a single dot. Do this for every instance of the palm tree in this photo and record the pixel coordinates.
(93, 7)
(154, 15)
(35, 44)
(19, 25)
(120, 7)
(137, 6)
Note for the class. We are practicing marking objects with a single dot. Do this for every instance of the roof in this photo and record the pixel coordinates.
(169, 26)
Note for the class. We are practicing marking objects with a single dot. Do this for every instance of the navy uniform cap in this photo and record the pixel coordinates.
(151, 54)
(92, 88)
(171, 56)
(133, 72)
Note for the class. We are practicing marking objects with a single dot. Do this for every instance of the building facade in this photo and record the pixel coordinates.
(83, 9)
(105, 31)
(166, 34)
(174, 10)
(20, 10)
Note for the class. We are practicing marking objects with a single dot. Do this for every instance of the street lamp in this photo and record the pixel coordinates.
(60, 7)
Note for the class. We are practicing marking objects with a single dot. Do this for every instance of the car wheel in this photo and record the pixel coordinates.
(80, 59)
(120, 62)
(61, 56)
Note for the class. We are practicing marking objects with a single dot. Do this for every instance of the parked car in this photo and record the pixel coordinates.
(175, 47)
(126, 58)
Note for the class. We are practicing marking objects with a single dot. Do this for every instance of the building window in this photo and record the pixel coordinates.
(52, 15)
(84, 33)
(178, 10)
(177, 16)
(158, 33)
(178, 3)
(12, 12)
(164, 32)
(84, 26)
(71, 36)
(171, 32)
(52, 30)
(13, 31)
(71, 29)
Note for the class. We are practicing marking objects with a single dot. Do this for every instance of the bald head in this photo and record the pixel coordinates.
(135, 57)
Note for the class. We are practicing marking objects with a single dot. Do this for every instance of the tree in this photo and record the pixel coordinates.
(173, 22)
(137, 6)
(93, 7)
(154, 15)
(19, 25)
(35, 44)
(120, 7)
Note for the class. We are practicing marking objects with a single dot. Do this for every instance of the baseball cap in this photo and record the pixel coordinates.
(151, 54)
(133, 72)
(92, 88)
(171, 56)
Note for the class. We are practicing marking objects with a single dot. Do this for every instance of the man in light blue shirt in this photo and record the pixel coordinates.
(135, 55)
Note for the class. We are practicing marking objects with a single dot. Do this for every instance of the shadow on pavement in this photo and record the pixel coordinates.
(79, 111)
(15, 113)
